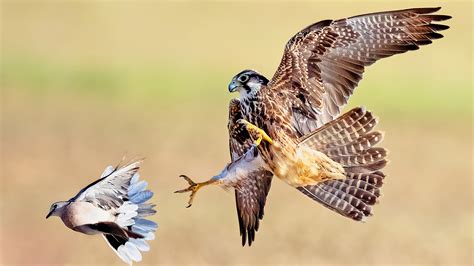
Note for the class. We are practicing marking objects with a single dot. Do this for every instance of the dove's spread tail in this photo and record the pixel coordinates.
(131, 218)
(349, 140)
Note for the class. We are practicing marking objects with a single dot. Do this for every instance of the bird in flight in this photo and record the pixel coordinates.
(290, 126)
(115, 206)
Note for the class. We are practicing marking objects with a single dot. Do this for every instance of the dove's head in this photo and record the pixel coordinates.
(56, 208)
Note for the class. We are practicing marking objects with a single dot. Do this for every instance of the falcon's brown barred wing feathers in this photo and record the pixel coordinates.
(251, 193)
(349, 140)
(239, 137)
(295, 131)
(323, 63)
(250, 200)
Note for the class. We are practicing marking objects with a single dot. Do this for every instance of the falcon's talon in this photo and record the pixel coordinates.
(262, 135)
(193, 188)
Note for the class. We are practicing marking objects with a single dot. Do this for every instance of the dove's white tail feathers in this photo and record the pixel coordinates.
(349, 140)
(131, 217)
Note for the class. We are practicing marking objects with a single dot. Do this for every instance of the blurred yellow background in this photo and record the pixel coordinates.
(84, 82)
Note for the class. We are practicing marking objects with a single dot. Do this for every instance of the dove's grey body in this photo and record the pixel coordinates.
(78, 215)
(114, 206)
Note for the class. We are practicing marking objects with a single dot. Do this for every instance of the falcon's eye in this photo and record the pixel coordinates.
(243, 78)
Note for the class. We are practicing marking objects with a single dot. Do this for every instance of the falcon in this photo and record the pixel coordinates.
(290, 126)
(115, 206)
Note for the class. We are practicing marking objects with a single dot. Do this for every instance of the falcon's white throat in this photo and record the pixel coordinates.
(251, 91)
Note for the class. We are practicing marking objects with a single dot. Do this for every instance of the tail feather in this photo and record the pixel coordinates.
(131, 219)
(146, 209)
(119, 239)
(145, 225)
(147, 235)
(357, 146)
(362, 194)
(132, 234)
(367, 168)
(345, 129)
(363, 186)
(117, 243)
(375, 179)
(368, 156)
(141, 197)
(136, 188)
(333, 202)
(354, 201)
(357, 130)
(131, 251)
(350, 141)
(141, 244)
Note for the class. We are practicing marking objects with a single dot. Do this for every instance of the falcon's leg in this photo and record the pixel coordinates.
(193, 187)
(253, 129)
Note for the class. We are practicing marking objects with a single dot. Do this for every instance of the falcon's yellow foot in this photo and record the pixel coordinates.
(260, 133)
(193, 187)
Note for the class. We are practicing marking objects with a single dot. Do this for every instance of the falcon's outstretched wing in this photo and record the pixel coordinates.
(251, 193)
(323, 63)
(111, 189)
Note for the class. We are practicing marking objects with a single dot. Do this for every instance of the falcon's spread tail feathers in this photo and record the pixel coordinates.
(349, 140)
(130, 218)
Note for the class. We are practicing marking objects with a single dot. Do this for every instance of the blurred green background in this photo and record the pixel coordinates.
(84, 82)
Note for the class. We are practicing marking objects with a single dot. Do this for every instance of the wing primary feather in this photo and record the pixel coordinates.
(326, 60)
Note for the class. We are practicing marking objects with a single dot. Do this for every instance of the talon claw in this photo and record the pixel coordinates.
(191, 182)
(260, 133)
(193, 188)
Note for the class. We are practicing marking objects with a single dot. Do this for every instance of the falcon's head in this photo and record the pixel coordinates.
(247, 83)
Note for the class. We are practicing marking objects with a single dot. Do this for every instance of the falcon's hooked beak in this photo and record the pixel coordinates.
(234, 85)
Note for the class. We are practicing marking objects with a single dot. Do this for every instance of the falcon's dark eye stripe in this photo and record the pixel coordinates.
(247, 88)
